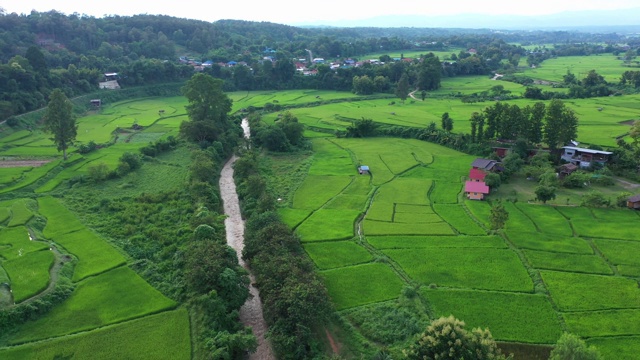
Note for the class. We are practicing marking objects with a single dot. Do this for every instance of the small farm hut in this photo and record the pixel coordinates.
(363, 169)
(634, 202)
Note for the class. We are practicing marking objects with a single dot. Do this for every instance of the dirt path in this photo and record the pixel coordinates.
(251, 311)
(628, 185)
(22, 163)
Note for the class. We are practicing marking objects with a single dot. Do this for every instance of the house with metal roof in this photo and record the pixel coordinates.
(584, 158)
(486, 165)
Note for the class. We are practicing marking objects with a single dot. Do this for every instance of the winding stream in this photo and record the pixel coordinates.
(251, 312)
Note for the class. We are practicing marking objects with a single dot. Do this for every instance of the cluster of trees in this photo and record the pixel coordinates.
(295, 301)
(446, 338)
(554, 124)
(43, 51)
(285, 135)
(625, 160)
(208, 109)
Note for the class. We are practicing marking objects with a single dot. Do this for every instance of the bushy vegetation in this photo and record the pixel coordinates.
(296, 303)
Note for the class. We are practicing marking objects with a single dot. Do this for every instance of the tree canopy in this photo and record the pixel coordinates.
(446, 338)
(208, 109)
(60, 121)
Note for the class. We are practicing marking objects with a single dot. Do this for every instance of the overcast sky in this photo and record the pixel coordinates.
(295, 12)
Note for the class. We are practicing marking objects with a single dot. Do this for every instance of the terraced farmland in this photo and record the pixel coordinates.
(551, 270)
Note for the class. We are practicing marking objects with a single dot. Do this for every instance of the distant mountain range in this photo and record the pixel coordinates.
(627, 20)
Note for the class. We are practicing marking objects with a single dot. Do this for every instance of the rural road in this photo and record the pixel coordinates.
(251, 312)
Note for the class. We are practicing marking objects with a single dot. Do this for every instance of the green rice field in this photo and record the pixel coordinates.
(404, 228)
(552, 269)
(165, 335)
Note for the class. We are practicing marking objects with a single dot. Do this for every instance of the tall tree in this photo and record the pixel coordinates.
(208, 109)
(430, 73)
(499, 216)
(561, 125)
(447, 122)
(535, 116)
(60, 121)
(402, 89)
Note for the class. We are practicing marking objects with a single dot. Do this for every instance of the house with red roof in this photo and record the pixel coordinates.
(477, 175)
(476, 190)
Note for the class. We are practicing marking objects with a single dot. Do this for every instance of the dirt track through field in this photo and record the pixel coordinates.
(251, 312)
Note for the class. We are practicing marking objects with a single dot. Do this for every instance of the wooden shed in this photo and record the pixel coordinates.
(634, 202)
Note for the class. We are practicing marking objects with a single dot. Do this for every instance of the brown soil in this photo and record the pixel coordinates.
(22, 163)
(251, 312)
(627, 122)
(335, 347)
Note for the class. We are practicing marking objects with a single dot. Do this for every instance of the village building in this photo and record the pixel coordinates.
(584, 158)
(486, 165)
(363, 169)
(477, 175)
(110, 81)
(634, 202)
(476, 190)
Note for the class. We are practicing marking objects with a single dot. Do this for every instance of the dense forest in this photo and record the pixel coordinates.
(43, 51)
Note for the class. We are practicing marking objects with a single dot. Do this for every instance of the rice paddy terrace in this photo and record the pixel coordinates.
(407, 224)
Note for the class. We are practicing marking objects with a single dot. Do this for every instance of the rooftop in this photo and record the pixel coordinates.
(588, 151)
(476, 186)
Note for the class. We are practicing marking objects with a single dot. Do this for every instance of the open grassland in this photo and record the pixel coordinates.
(510, 317)
(624, 347)
(245, 99)
(29, 273)
(480, 210)
(620, 252)
(316, 190)
(603, 323)
(17, 243)
(416, 224)
(373, 227)
(21, 212)
(465, 85)
(95, 255)
(457, 217)
(579, 292)
(330, 159)
(161, 336)
(409, 54)
(361, 284)
(545, 242)
(500, 270)
(591, 264)
(600, 118)
(416, 242)
(335, 254)
(553, 70)
(328, 224)
(59, 219)
(547, 219)
(586, 224)
(109, 298)
(293, 217)
(518, 221)
(5, 214)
